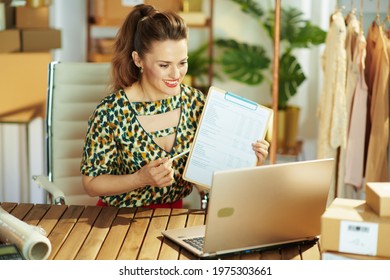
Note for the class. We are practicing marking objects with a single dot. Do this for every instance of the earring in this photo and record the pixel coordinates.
(141, 70)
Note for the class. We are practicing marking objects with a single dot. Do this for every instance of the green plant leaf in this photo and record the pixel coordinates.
(247, 63)
(298, 33)
(308, 35)
(250, 7)
(291, 76)
(198, 63)
(243, 62)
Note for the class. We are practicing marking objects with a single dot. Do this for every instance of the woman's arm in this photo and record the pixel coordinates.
(157, 173)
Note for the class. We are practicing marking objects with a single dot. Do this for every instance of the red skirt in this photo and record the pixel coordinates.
(176, 204)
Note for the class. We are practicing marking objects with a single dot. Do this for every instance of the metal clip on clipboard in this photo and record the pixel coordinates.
(241, 101)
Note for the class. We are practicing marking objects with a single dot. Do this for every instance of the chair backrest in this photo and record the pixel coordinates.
(74, 90)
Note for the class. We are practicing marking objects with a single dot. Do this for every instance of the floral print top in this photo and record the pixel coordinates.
(117, 144)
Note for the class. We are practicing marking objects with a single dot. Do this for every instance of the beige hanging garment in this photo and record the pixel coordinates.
(377, 161)
(331, 109)
(354, 162)
(352, 71)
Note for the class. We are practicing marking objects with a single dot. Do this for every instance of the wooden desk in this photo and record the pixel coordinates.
(109, 233)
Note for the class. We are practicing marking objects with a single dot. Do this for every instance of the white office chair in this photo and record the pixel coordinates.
(74, 90)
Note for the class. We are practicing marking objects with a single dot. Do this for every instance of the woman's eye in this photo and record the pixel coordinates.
(164, 65)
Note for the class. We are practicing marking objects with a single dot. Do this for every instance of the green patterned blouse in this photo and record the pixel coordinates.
(117, 144)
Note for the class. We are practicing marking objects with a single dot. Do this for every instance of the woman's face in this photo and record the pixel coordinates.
(164, 68)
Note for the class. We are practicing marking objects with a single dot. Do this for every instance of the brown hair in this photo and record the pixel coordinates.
(143, 26)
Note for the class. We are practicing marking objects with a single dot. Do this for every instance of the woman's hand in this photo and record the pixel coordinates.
(261, 150)
(157, 173)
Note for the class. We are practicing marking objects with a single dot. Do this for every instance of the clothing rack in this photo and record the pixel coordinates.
(369, 162)
(275, 81)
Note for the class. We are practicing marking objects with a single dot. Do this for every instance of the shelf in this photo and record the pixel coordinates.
(102, 29)
(195, 19)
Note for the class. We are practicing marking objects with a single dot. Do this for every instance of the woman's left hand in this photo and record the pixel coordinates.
(261, 150)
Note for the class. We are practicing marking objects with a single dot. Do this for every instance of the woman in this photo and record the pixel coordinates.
(150, 117)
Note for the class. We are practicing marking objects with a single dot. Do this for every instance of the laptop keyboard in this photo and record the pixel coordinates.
(196, 242)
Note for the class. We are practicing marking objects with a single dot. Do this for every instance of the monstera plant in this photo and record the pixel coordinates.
(251, 64)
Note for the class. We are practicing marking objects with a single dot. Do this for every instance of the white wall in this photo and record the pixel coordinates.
(70, 17)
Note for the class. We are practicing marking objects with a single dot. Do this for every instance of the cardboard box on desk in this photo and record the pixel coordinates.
(114, 12)
(38, 40)
(378, 197)
(351, 226)
(330, 255)
(10, 41)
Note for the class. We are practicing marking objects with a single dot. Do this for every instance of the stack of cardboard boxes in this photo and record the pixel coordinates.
(26, 41)
(358, 229)
(106, 16)
(27, 30)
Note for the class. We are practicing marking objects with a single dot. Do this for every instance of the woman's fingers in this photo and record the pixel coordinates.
(161, 174)
(261, 150)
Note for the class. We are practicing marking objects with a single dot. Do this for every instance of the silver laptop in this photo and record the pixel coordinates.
(260, 207)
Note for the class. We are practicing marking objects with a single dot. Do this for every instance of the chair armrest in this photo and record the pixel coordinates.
(58, 197)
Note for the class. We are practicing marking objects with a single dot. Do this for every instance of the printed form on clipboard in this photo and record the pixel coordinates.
(228, 126)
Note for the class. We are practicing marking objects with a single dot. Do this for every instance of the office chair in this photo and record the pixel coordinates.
(74, 90)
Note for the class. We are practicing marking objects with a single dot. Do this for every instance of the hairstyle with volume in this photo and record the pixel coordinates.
(143, 26)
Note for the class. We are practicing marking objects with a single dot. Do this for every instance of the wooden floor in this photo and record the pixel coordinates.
(109, 233)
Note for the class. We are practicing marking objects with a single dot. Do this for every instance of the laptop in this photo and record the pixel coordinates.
(256, 208)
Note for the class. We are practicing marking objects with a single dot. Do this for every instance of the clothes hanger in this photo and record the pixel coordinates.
(378, 17)
(351, 13)
(386, 21)
(353, 9)
(361, 18)
(338, 9)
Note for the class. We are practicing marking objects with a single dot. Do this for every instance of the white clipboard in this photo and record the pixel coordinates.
(229, 124)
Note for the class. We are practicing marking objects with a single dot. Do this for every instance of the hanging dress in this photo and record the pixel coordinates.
(377, 156)
(331, 110)
(353, 30)
(354, 159)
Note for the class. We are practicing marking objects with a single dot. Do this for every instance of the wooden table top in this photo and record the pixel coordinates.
(108, 233)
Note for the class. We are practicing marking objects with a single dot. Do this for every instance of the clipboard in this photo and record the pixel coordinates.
(229, 124)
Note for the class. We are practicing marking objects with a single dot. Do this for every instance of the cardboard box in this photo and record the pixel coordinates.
(351, 226)
(378, 197)
(23, 80)
(114, 12)
(100, 57)
(192, 5)
(194, 18)
(27, 17)
(166, 5)
(329, 255)
(10, 41)
(104, 45)
(38, 40)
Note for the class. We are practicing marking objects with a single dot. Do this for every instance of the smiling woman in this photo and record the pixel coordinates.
(150, 117)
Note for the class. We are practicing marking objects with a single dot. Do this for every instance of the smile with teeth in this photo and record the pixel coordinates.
(171, 83)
